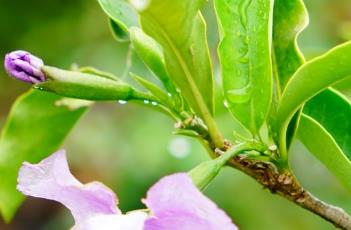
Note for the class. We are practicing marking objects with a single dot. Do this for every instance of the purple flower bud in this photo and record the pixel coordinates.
(24, 66)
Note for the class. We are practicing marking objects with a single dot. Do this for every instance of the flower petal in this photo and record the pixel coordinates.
(33, 60)
(51, 179)
(130, 221)
(177, 204)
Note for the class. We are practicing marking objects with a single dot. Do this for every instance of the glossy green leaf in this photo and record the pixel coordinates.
(292, 127)
(290, 19)
(323, 146)
(245, 57)
(88, 86)
(309, 80)
(152, 55)
(180, 29)
(35, 128)
(332, 111)
(122, 17)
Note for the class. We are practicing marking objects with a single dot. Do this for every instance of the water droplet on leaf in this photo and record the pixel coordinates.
(226, 104)
(244, 60)
(140, 5)
(122, 102)
(241, 95)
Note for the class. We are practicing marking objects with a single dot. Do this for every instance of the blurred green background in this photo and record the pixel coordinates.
(129, 147)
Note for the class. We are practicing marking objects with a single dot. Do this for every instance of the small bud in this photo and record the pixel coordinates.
(24, 66)
(204, 173)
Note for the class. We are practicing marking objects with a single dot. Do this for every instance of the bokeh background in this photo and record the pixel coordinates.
(129, 147)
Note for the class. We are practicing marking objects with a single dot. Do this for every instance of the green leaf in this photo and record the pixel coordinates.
(290, 19)
(122, 17)
(245, 57)
(154, 89)
(117, 31)
(152, 55)
(164, 102)
(35, 128)
(309, 80)
(180, 29)
(88, 86)
(332, 110)
(94, 71)
(320, 143)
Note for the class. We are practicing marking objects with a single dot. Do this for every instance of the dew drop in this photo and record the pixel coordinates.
(247, 40)
(122, 102)
(169, 95)
(140, 5)
(37, 87)
(226, 104)
(241, 95)
(244, 60)
(154, 103)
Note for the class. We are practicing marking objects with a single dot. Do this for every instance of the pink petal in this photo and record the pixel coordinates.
(177, 204)
(51, 179)
(131, 221)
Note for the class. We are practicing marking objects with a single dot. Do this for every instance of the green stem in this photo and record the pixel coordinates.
(138, 95)
(237, 149)
(214, 132)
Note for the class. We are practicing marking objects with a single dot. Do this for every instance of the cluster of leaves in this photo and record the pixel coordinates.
(266, 82)
(268, 86)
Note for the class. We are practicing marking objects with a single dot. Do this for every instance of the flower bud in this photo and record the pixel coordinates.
(24, 66)
(205, 172)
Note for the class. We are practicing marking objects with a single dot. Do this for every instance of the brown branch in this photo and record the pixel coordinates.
(286, 185)
(268, 175)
